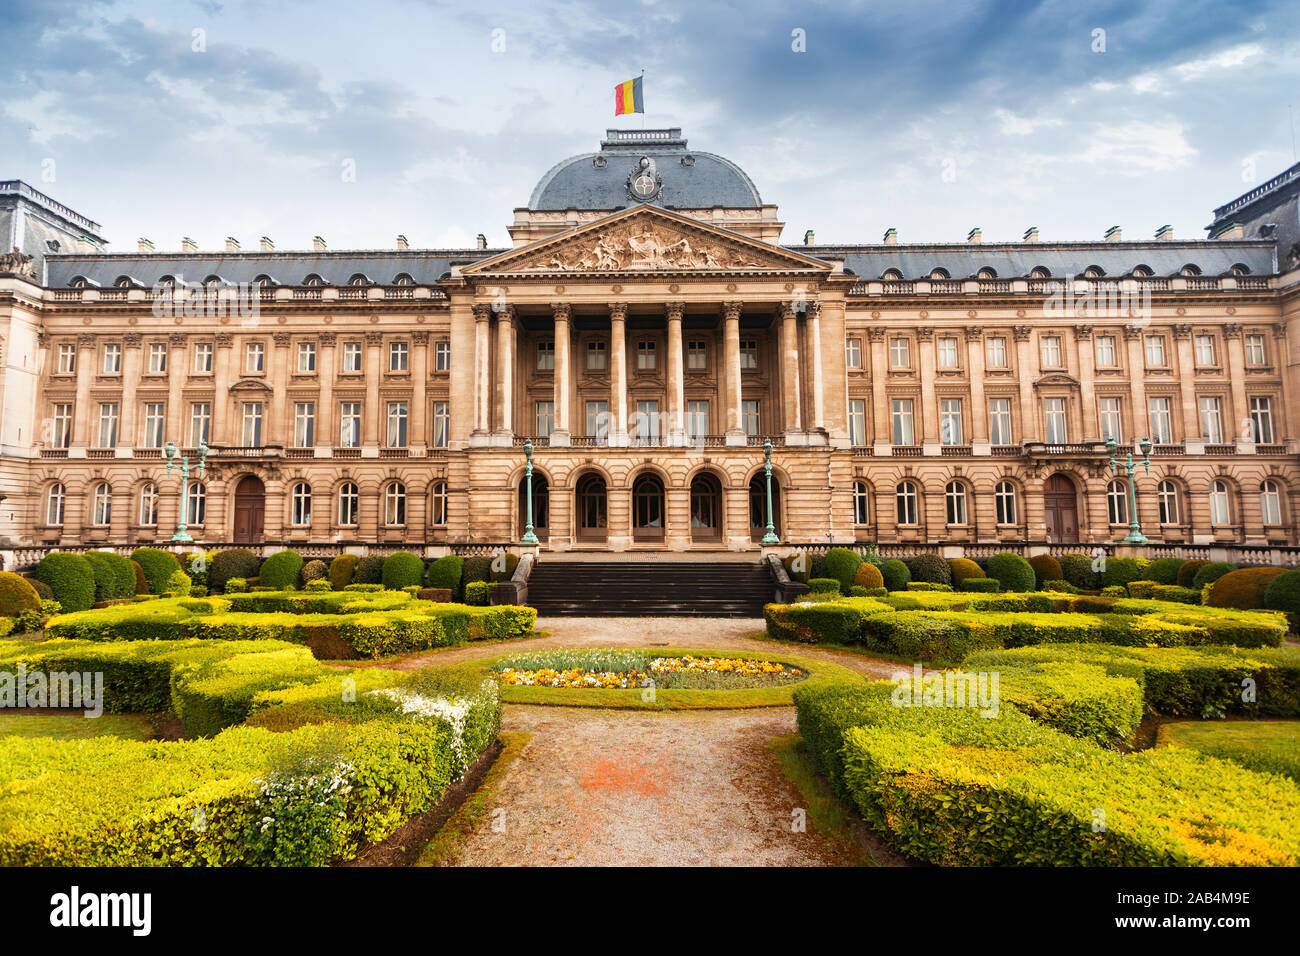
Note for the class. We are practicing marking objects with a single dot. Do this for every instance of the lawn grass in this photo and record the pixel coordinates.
(74, 726)
(820, 674)
(827, 815)
(446, 846)
(1272, 746)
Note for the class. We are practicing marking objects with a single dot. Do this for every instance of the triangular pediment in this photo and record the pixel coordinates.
(645, 239)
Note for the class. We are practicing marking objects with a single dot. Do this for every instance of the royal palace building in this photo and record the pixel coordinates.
(644, 335)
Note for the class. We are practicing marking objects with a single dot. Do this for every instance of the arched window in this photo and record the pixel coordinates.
(892, 275)
(861, 503)
(123, 282)
(1220, 503)
(103, 504)
(264, 281)
(1167, 493)
(905, 499)
(648, 507)
(78, 282)
(954, 494)
(1270, 501)
(54, 502)
(300, 504)
(1142, 272)
(359, 279)
(939, 273)
(403, 278)
(438, 504)
(1093, 272)
(213, 282)
(313, 280)
(1240, 270)
(349, 503)
(166, 284)
(395, 504)
(149, 504)
(1190, 269)
(1004, 497)
(1040, 272)
(196, 508)
(1117, 502)
(987, 273)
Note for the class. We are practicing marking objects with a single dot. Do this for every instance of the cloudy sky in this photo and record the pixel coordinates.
(361, 120)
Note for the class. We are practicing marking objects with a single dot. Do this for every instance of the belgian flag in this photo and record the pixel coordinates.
(628, 97)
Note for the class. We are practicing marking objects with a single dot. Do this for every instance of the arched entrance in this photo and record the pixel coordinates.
(591, 501)
(648, 508)
(250, 510)
(706, 508)
(758, 506)
(1061, 510)
(541, 507)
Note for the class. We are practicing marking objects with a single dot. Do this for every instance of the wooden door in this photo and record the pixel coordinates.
(250, 510)
(1060, 510)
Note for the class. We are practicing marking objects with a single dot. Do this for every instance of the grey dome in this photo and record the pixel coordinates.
(690, 180)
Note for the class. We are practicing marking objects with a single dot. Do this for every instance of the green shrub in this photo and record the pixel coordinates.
(478, 593)
(1114, 590)
(927, 586)
(980, 585)
(157, 565)
(1079, 699)
(315, 570)
(178, 584)
(402, 569)
(1145, 590)
(114, 576)
(789, 562)
(236, 563)
(1187, 573)
(1243, 589)
(1210, 573)
(824, 585)
(365, 588)
(963, 568)
(370, 570)
(1012, 571)
(141, 582)
(70, 577)
(281, 570)
(842, 564)
(1077, 568)
(476, 568)
(1120, 571)
(506, 573)
(1164, 570)
(1172, 592)
(1283, 594)
(1063, 586)
(342, 569)
(196, 564)
(896, 574)
(930, 568)
(41, 587)
(318, 586)
(445, 573)
(17, 596)
(1046, 568)
(868, 576)
(859, 591)
(236, 585)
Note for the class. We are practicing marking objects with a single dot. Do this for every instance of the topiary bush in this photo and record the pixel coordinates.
(930, 568)
(823, 586)
(236, 563)
(507, 572)
(1283, 594)
(800, 575)
(370, 570)
(445, 574)
(1243, 589)
(1077, 569)
(141, 582)
(315, 571)
(476, 568)
(868, 576)
(280, 571)
(896, 574)
(196, 565)
(1012, 571)
(17, 596)
(41, 587)
(402, 570)
(1046, 568)
(114, 576)
(1118, 572)
(342, 570)
(963, 568)
(157, 565)
(478, 593)
(987, 585)
(842, 564)
(70, 577)
(1187, 572)
(1164, 570)
(178, 584)
(1211, 572)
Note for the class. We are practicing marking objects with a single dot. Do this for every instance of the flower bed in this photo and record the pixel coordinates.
(667, 672)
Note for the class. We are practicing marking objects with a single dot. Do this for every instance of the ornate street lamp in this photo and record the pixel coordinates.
(770, 537)
(182, 536)
(1135, 535)
(529, 537)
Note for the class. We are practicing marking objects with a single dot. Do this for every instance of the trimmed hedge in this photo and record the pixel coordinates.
(370, 570)
(402, 569)
(1118, 572)
(17, 596)
(236, 563)
(157, 565)
(476, 568)
(315, 570)
(1077, 569)
(1283, 593)
(478, 593)
(1012, 571)
(962, 568)
(1210, 573)
(930, 568)
(70, 577)
(342, 570)
(1046, 568)
(842, 565)
(823, 585)
(445, 573)
(896, 574)
(868, 576)
(1187, 573)
(984, 585)
(281, 571)
(1243, 589)
(114, 576)
(506, 573)
(1164, 570)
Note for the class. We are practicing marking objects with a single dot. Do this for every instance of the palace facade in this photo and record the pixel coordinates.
(646, 333)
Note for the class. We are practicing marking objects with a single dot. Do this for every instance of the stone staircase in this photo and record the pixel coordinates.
(650, 588)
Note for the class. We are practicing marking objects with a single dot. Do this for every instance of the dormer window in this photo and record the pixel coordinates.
(939, 274)
(1093, 272)
(1142, 272)
(986, 274)
(78, 282)
(358, 280)
(1040, 272)
(403, 278)
(892, 275)
(313, 281)
(1189, 270)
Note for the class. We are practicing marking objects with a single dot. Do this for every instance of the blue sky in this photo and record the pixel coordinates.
(932, 117)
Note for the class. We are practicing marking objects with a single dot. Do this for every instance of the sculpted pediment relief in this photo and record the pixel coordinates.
(1057, 378)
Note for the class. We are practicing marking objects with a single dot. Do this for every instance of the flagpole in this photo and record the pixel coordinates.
(643, 96)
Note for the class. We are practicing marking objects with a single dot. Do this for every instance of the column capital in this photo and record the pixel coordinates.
(177, 338)
(85, 341)
(1132, 333)
(1082, 332)
(225, 340)
(132, 340)
(731, 310)
(974, 333)
(876, 334)
(1182, 331)
(374, 338)
(924, 335)
(482, 311)
(327, 339)
(1022, 332)
(420, 337)
(1232, 330)
(281, 339)
(561, 311)
(786, 310)
(814, 308)
(674, 310)
(618, 311)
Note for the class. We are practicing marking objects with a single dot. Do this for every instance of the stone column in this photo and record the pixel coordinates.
(221, 375)
(818, 380)
(131, 367)
(1089, 414)
(326, 369)
(84, 417)
(979, 408)
(1137, 367)
(676, 375)
(1029, 429)
(416, 437)
(1244, 431)
(174, 421)
(929, 424)
(505, 375)
(560, 434)
(279, 421)
(371, 413)
(618, 373)
(731, 347)
(882, 427)
(792, 422)
(1186, 373)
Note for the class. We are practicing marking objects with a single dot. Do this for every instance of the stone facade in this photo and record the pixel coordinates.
(956, 393)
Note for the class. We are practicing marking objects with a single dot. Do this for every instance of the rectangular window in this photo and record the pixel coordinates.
(1261, 419)
(441, 424)
(947, 351)
(154, 417)
(304, 424)
(352, 356)
(350, 424)
(900, 353)
(858, 421)
(62, 434)
(157, 358)
(107, 424)
(203, 357)
(646, 427)
(853, 353)
(748, 353)
(1211, 419)
(306, 356)
(1111, 424)
(546, 356)
(900, 411)
(645, 355)
(200, 423)
(1050, 349)
(995, 352)
(254, 357)
(67, 358)
(1054, 419)
(1106, 351)
(1000, 421)
(749, 415)
(1205, 350)
(1161, 420)
(396, 437)
(545, 418)
(1156, 351)
(252, 436)
(950, 430)
(398, 356)
(598, 420)
(442, 356)
(596, 355)
(1255, 350)
(112, 359)
(697, 417)
(696, 354)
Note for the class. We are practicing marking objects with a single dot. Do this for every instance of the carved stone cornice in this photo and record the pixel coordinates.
(85, 341)
(1082, 333)
(925, 335)
(973, 333)
(281, 339)
(327, 339)
(876, 335)
(1232, 330)
(374, 338)
(177, 338)
(1132, 333)
(1022, 333)
(225, 340)
(420, 337)
(132, 340)
(1182, 331)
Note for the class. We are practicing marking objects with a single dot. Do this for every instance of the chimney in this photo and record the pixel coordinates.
(809, 239)
(974, 235)
(85, 244)
(1031, 234)
(480, 241)
(1114, 234)
(144, 245)
(232, 244)
(188, 244)
(266, 245)
(1233, 230)
(317, 244)
(891, 236)
(402, 244)
(1165, 233)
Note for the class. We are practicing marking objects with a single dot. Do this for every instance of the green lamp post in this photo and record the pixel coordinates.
(182, 535)
(529, 536)
(1135, 535)
(770, 537)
